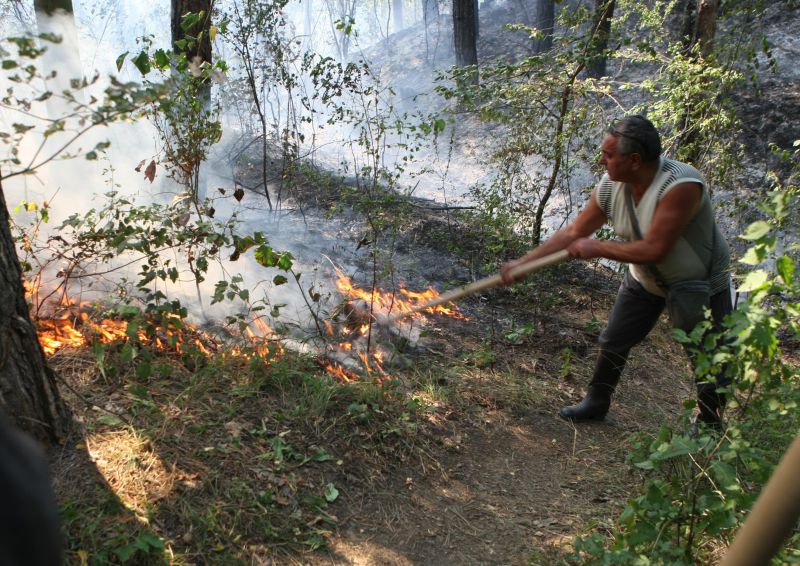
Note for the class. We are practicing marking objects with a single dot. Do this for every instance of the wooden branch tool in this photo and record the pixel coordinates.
(483, 284)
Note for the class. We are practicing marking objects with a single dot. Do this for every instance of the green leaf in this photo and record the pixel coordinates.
(754, 255)
(265, 256)
(756, 230)
(161, 59)
(143, 371)
(754, 280)
(125, 553)
(285, 261)
(121, 60)
(279, 280)
(331, 493)
(21, 128)
(142, 62)
(190, 20)
(244, 244)
(786, 269)
(9, 64)
(110, 420)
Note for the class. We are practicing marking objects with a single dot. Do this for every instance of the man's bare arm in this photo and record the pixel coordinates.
(588, 221)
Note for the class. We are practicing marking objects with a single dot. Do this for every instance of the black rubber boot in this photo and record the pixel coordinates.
(594, 406)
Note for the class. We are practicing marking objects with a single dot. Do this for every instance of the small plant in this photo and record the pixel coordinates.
(565, 359)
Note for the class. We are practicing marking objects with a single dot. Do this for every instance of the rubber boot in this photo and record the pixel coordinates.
(594, 406)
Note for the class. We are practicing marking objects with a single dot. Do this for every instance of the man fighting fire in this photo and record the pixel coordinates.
(661, 212)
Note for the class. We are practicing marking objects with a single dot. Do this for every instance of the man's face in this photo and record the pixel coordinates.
(618, 166)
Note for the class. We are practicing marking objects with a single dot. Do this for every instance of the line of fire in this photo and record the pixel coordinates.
(357, 345)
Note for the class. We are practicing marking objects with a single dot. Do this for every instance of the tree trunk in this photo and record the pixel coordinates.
(475, 7)
(397, 15)
(707, 11)
(430, 10)
(464, 38)
(180, 8)
(49, 7)
(702, 15)
(544, 21)
(601, 30)
(308, 22)
(28, 392)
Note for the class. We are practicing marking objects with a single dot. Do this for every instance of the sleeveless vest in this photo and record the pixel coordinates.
(701, 245)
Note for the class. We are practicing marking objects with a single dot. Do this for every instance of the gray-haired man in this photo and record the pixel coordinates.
(661, 211)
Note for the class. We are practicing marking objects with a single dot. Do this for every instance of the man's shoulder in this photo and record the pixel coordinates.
(678, 170)
(606, 190)
(675, 172)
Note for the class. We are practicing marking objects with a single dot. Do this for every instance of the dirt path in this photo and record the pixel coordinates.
(509, 482)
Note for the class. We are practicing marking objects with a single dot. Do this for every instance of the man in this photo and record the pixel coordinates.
(30, 530)
(678, 257)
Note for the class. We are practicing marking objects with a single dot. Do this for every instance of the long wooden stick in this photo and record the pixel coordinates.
(483, 284)
(773, 516)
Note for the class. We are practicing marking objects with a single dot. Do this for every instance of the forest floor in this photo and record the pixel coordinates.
(462, 460)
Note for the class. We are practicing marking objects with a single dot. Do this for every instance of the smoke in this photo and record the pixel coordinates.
(75, 185)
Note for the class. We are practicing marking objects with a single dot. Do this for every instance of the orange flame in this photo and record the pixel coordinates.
(77, 329)
(386, 302)
(339, 372)
(359, 324)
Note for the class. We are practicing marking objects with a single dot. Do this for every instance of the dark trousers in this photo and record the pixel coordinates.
(636, 312)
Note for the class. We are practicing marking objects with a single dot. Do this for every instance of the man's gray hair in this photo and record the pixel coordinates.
(636, 134)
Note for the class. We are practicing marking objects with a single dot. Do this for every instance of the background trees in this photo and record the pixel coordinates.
(544, 20)
(198, 29)
(465, 37)
(603, 14)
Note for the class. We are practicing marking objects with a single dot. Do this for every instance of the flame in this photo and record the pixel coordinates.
(359, 344)
(76, 328)
(339, 372)
(386, 302)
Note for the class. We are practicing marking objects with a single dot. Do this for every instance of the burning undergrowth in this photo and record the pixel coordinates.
(360, 344)
(362, 340)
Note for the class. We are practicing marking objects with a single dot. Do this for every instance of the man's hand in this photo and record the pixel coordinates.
(505, 271)
(584, 248)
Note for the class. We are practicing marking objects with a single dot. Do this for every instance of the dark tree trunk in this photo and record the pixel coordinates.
(700, 25)
(689, 23)
(430, 10)
(707, 11)
(464, 37)
(28, 392)
(49, 7)
(598, 46)
(702, 15)
(63, 59)
(180, 8)
(477, 20)
(544, 20)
